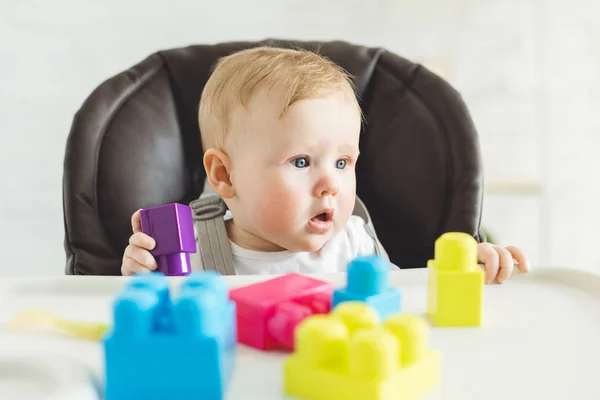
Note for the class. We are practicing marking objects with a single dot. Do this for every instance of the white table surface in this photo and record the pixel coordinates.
(538, 340)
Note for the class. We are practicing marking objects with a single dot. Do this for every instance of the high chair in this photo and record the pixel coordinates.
(135, 143)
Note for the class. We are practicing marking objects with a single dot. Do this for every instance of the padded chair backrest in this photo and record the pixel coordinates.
(135, 143)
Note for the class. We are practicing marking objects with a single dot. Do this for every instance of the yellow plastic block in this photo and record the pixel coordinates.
(350, 355)
(455, 282)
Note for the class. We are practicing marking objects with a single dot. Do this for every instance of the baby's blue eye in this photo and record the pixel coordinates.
(300, 162)
(341, 164)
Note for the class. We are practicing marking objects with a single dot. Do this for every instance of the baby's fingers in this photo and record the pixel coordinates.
(136, 222)
(490, 258)
(520, 257)
(140, 256)
(142, 240)
(506, 264)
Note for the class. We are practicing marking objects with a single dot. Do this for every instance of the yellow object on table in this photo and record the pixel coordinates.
(349, 355)
(41, 318)
(455, 282)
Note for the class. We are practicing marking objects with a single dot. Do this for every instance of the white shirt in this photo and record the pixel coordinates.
(334, 256)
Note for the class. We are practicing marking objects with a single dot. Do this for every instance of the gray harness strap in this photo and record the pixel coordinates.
(213, 242)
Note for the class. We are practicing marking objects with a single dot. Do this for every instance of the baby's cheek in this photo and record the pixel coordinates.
(347, 203)
(279, 211)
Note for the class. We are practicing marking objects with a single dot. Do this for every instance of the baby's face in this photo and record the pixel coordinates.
(294, 176)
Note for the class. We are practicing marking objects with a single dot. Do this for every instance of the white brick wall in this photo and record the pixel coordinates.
(527, 69)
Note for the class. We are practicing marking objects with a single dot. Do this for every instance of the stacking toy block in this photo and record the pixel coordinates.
(349, 355)
(172, 227)
(164, 347)
(268, 312)
(367, 281)
(455, 282)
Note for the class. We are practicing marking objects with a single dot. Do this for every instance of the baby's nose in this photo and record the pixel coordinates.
(327, 187)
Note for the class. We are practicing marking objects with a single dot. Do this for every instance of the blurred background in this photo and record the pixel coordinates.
(527, 69)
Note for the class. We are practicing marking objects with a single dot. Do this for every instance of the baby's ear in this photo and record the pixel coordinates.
(216, 164)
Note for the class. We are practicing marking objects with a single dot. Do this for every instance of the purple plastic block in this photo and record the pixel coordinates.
(172, 227)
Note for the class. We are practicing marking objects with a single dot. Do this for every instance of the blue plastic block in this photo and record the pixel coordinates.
(367, 281)
(171, 348)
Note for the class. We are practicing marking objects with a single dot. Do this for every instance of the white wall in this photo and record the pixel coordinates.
(527, 69)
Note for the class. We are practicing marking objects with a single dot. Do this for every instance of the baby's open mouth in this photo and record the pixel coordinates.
(325, 216)
(322, 222)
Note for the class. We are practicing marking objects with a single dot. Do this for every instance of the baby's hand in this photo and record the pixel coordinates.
(499, 261)
(137, 257)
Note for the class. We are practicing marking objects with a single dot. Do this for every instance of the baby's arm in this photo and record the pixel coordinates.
(137, 257)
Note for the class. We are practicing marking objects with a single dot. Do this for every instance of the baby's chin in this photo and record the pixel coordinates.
(308, 244)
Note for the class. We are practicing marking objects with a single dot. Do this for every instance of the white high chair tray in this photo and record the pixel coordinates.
(538, 339)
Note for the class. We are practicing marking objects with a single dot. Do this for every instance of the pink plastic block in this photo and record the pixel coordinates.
(268, 312)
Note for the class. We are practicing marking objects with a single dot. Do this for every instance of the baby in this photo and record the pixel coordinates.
(281, 131)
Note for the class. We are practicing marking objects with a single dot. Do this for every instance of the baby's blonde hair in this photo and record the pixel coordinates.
(297, 74)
